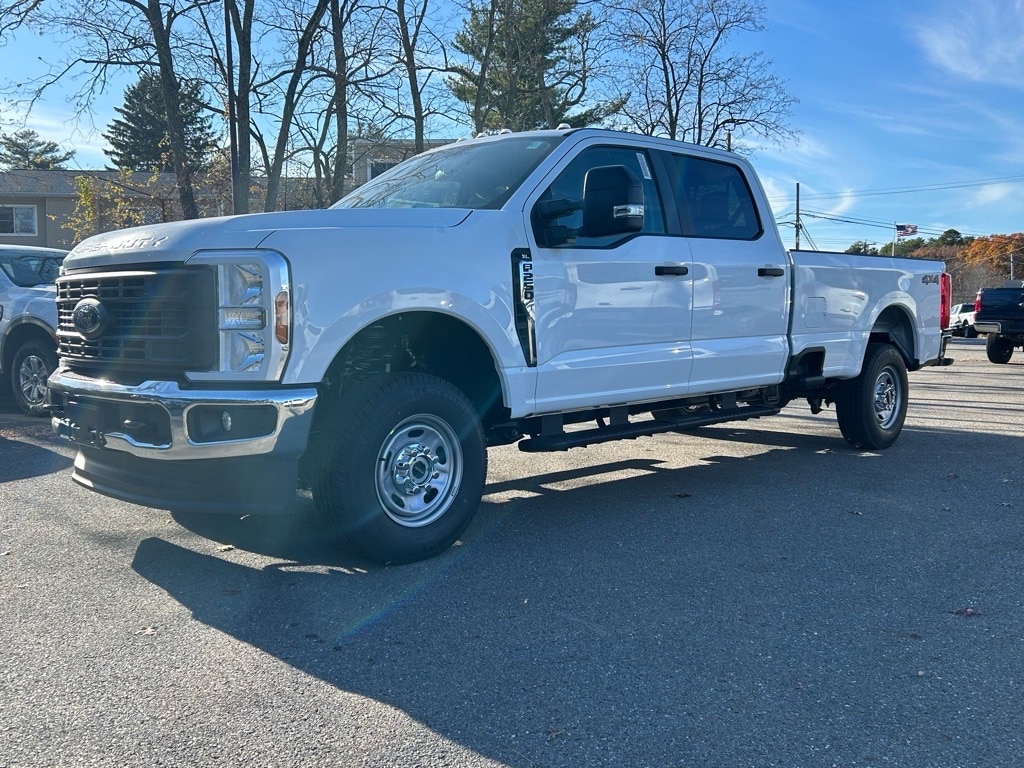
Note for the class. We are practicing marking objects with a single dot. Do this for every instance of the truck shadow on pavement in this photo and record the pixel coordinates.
(300, 536)
(20, 460)
(666, 617)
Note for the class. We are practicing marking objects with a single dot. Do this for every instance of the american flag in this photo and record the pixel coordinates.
(906, 230)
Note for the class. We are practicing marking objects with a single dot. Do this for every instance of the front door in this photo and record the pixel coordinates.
(612, 314)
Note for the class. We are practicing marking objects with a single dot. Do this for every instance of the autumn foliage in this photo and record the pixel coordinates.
(995, 251)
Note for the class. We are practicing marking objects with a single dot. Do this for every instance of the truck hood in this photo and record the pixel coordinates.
(44, 291)
(176, 241)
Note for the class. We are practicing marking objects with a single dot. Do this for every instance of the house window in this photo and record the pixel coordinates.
(377, 167)
(18, 220)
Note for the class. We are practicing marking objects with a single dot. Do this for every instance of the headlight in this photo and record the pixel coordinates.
(253, 314)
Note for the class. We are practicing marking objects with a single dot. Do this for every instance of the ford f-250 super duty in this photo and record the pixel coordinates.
(556, 289)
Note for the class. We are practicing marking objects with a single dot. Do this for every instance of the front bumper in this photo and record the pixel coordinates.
(190, 450)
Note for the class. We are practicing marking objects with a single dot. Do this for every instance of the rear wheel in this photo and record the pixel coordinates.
(998, 349)
(32, 365)
(970, 332)
(405, 466)
(871, 408)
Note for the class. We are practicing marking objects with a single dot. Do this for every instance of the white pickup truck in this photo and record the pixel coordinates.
(554, 288)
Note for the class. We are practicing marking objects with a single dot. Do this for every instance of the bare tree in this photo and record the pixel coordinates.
(354, 68)
(690, 82)
(110, 35)
(290, 81)
(421, 58)
(17, 14)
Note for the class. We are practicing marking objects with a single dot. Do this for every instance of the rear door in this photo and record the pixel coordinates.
(739, 335)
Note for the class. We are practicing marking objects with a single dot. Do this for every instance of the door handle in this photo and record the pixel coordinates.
(671, 269)
(770, 271)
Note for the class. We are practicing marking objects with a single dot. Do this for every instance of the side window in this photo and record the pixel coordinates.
(713, 198)
(564, 231)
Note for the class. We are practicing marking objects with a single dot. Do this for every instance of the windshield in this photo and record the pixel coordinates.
(479, 175)
(27, 268)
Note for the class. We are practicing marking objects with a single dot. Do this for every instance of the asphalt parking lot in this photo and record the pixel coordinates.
(748, 595)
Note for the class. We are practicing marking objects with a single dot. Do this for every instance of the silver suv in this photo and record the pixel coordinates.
(961, 320)
(28, 319)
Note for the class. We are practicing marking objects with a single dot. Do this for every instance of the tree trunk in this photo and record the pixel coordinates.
(172, 104)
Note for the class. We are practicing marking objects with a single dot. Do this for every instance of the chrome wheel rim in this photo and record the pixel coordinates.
(419, 470)
(32, 376)
(887, 398)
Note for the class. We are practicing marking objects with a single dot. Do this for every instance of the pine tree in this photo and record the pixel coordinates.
(25, 150)
(138, 139)
(529, 64)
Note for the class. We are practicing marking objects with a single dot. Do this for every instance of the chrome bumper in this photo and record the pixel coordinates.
(159, 420)
(995, 328)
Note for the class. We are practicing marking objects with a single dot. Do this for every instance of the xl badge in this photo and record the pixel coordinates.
(90, 318)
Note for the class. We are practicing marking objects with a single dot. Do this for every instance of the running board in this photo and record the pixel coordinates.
(562, 441)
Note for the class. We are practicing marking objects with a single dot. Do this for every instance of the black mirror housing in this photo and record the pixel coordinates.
(613, 202)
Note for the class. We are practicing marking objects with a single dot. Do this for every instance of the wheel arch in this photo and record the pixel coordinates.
(430, 342)
(20, 331)
(895, 325)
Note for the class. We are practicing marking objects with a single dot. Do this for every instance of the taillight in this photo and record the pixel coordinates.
(977, 302)
(946, 301)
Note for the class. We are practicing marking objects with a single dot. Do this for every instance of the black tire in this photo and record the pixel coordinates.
(32, 365)
(404, 467)
(998, 349)
(871, 408)
(970, 332)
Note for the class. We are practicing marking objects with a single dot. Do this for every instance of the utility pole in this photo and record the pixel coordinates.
(239, 197)
(797, 226)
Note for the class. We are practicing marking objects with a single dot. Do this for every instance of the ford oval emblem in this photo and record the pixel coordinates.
(89, 318)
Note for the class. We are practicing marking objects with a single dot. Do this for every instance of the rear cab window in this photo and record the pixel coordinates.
(713, 198)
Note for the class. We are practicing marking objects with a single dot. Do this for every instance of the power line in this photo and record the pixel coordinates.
(902, 190)
(877, 223)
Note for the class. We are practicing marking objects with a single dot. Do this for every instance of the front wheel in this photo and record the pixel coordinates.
(998, 349)
(405, 466)
(32, 365)
(871, 408)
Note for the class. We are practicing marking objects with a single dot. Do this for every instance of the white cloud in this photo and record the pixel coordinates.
(982, 42)
(994, 193)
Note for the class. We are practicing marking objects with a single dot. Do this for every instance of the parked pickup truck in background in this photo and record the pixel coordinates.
(999, 313)
(553, 289)
(961, 321)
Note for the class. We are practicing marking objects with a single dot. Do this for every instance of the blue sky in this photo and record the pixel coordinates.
(925, 96)
(911, 95)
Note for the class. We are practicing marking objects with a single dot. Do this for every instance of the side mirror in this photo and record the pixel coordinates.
(613, 202)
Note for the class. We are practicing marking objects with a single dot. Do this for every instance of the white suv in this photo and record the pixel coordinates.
(28, 319)
(961, 321)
